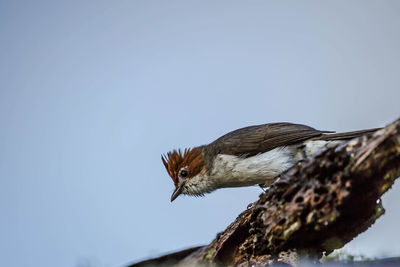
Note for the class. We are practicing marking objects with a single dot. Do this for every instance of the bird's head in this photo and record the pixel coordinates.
(187, 170)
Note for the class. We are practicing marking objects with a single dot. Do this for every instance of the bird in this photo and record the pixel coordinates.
(253, 155)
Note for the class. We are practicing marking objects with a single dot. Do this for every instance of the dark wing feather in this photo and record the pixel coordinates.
(347, 135)
(252, 140)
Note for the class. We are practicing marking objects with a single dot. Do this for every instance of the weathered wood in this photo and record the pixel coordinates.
(314, 207)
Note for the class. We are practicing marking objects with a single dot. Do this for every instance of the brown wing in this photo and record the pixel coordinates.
(252, 140)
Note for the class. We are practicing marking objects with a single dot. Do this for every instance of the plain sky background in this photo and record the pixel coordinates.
(92, 92)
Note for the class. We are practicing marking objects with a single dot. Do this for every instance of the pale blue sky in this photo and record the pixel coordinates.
(92, 92)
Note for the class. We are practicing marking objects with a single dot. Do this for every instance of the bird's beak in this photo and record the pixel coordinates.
(177, 191)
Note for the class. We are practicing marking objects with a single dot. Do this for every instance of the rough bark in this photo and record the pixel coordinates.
(315, 207)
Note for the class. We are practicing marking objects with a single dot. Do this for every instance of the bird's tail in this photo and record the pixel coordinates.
(347, 135)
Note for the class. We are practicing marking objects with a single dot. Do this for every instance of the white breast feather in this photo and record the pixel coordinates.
(313, 147)
(233, 171)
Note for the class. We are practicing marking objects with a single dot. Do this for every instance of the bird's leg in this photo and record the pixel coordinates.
(265, 185)
(262, 186)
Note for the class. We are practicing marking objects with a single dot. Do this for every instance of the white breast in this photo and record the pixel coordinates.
(233, 171)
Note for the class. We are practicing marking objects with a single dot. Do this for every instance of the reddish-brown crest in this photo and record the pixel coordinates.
(175, 160)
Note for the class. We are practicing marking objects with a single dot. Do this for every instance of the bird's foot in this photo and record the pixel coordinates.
(263, 187)
(266, 185)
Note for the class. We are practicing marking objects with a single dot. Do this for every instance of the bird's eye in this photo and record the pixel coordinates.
(184, 173)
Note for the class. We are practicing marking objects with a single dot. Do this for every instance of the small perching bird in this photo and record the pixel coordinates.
(247, 156)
